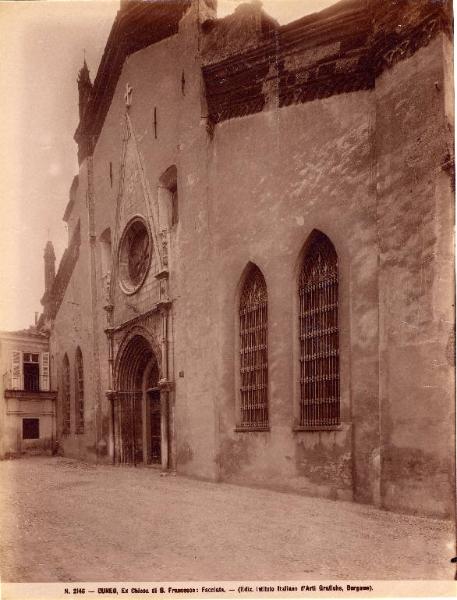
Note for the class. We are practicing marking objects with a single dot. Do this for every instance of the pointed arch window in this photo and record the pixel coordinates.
(106, 263)
(66, 399)
(168, 198)
(319, 335)
(253, 315)
(79, 392)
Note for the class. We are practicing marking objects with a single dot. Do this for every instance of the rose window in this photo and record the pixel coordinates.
(134, 255)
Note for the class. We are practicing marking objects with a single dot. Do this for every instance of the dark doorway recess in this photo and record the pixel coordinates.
(137, 411)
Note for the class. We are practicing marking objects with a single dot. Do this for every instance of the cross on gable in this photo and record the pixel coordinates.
(128, 95)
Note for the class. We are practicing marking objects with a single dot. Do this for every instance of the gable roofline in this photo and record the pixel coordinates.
(71, 201)
(138, 24)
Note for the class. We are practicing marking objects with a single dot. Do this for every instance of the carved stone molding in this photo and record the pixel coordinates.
(166, 385)
(340, 50)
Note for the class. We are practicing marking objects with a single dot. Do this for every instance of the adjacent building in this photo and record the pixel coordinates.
(27, 404)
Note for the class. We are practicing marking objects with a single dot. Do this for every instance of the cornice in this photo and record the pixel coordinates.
(403, 36)
(342, 49)
(25, 336)
(155, 309)
(25, 395)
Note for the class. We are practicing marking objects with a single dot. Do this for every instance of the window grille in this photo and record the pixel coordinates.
(66, 400)
(79, 389)
(254, 352)
(319, 340)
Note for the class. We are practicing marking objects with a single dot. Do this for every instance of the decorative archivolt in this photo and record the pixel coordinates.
(137, 341)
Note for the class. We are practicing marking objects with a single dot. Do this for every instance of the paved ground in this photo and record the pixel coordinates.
(66, 521)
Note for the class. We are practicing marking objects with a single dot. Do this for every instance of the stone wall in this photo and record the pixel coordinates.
(415, 217)
(73, 327)
(292, 171)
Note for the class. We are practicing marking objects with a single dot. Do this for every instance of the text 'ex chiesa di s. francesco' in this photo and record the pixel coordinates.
(258, 284)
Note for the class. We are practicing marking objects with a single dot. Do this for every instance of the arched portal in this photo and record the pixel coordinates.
(137, 411)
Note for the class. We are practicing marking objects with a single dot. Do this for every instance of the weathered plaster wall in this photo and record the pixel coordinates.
(415, 216)
(17, 409)
(14, 409)
(72, 328)
(275, 177)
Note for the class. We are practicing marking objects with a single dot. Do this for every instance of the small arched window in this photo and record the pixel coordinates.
(66, 398)
(254, 351)
(105, 251)
(174, 204)
(168, 198)
(319, 339)
(106, 264)
(79, 392)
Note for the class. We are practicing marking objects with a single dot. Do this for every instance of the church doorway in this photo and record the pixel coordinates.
(139, 420)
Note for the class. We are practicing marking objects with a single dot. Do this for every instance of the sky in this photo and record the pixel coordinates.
(43, 44)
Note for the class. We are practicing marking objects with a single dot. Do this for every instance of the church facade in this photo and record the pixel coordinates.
(258, 284)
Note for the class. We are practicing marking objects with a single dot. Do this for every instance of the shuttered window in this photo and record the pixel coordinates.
(319, 339)
(44, 372)
(254, 352)
(30, 371)
(17, 375)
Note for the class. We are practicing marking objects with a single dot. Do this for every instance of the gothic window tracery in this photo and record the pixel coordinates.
(135, 252)
(319, 335)
(138, 258)
(253, 314)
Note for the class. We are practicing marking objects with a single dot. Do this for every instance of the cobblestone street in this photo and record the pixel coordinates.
(66, 521)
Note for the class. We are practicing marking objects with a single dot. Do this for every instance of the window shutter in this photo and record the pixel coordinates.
(17, 375)
(44, 371)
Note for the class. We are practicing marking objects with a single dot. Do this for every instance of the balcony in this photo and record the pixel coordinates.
(30, 395)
